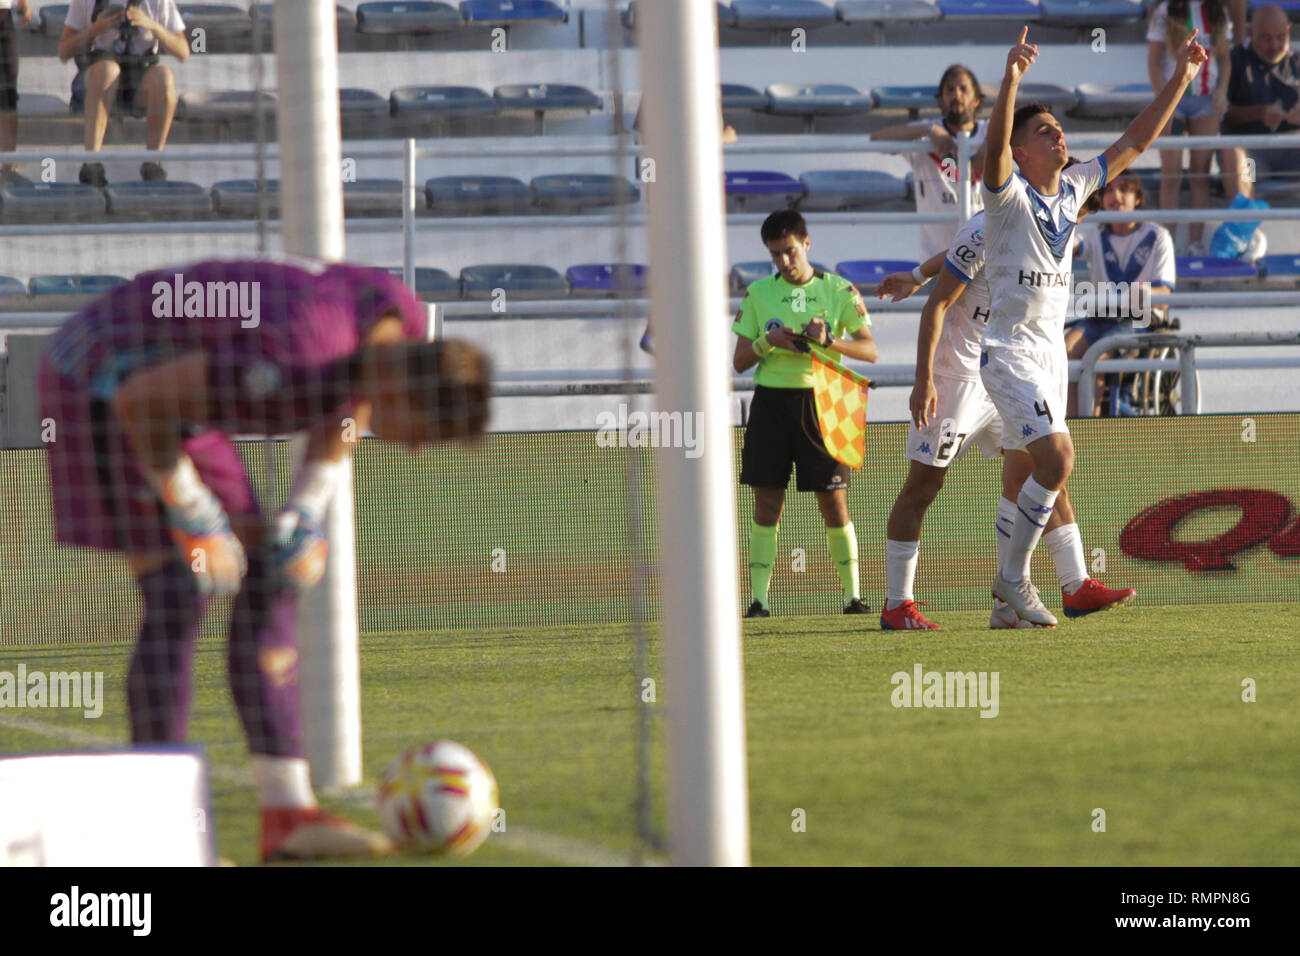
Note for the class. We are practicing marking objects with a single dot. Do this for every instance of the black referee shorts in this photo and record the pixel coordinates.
(783, 433)
(8, 63)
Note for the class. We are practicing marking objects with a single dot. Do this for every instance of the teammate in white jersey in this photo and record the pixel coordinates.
(1029, 225)
(935, 175)
(951, 411)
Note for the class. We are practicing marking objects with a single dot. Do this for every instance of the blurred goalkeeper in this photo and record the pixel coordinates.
(144, 387)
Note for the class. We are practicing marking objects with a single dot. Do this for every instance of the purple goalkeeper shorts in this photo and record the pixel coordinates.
(99, 495)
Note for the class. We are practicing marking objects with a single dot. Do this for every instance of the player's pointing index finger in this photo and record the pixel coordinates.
(1024, 32)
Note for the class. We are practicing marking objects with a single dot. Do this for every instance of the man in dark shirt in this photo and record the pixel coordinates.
(1264, 94)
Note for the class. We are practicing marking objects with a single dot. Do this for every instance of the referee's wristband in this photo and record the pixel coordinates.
(762, 347)
(919, 276)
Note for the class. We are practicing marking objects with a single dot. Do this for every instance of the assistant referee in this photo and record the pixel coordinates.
(777, 319)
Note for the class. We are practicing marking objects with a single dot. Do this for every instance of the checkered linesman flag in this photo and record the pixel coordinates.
(841, 398)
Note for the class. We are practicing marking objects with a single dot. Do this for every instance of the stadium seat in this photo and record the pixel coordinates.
(237, 198)
(440, 102)
(886, 11)
(737, 96)
(825, 99)
(358, 103)
(576, 192)
(1060, 99)
(487, 13)
(1291, 7)
(51, 202)
(1280, 268)
(1021, 11)
(406, 17)
(477, 195)
(758, 190)
(1104, 101)
(726, 16)
(541, 98)
(745, 273)
(1089, 13)
(222, 105)
(607, 280)
(910, 98)
(216, 19)
(1279, 189)
(52, 18)
(372, 197)
(780, 14)
(828, 190)
(73, 284)
(867, 273)
(518, 281)
(433, 285)
(42, 104)
(11, 286)
(158, 200)
(1201, 270)
(346, 20)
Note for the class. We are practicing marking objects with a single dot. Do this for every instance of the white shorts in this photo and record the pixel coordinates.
(1029, 390)
(965, 415)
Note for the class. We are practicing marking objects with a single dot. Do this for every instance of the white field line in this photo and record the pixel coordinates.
(559, 849)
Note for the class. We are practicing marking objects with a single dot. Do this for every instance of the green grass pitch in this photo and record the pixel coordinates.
(1137, 712)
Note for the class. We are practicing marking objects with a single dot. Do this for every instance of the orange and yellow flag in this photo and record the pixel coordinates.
(841, 398)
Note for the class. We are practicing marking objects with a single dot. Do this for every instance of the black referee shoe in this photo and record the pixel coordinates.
(856, 606)
(757, 610)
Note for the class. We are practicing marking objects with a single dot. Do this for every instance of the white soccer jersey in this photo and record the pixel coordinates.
(1145, 255)
(958, 353)
(936, 190)
(1029, 239)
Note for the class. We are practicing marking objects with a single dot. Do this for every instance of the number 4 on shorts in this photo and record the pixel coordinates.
(1042, 409)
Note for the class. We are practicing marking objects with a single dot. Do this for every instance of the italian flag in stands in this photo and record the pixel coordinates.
(841, 398)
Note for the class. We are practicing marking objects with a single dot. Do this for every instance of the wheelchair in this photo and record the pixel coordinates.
(1150, 392)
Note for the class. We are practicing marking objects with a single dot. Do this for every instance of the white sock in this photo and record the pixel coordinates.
(900, 571)
(1066, 546)
(283, 782)
(1033, 508)
(1002, 525)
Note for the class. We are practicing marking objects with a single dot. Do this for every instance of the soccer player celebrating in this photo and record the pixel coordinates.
(144, 387)
(1029, 220)
(779, 316)
(950, 411)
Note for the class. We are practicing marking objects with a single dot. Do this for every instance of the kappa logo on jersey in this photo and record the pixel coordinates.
(1027, 431)
(925, 448)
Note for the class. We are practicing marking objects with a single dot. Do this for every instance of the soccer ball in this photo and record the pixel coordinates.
(439, 797)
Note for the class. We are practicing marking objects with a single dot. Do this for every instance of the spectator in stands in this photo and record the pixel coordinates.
(1201, 107)
(1264, 95)
(12, 15)
(1128, 262)
(935, 174)
(117, 45)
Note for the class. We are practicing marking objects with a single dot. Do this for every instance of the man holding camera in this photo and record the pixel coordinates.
(117, 44)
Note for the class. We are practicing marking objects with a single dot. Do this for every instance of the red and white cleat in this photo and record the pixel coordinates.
(1093, 596)
(905, 617)
(1004, 617)
(312, 834)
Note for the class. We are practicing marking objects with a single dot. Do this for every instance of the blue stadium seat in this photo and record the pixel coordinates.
(1200, 270)
(607, 280)
(477, 195)
(73, 284)
(866, 273)
(158, 200)
(1061, 100)
(761, 190)
(345, 19)
(372, 197)
(886, 11)
(1022, 11)
(440, 102)
(518, 281)
(433, 285)
(1282, 267)
(407, 16)
(237, 198)
(743, 274)
(1106, 101)
(222, 105)
(542, 98)
(11, 286)
(828, 190)
(51, 202)
(1292, 7)
(509, 12)
(911, 98)
(780, 14)
(726, 16)
(216, 19)
(357, 102)
(1089, 13)
(52, 18)
(575, 192)
(737, 96)
(811, 101)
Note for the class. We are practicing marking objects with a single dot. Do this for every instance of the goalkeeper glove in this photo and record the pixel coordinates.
(200, 527)
(299, 547)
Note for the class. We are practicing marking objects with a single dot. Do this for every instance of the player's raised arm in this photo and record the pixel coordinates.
(1142, 132)
(997, 144)
(925, 399)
